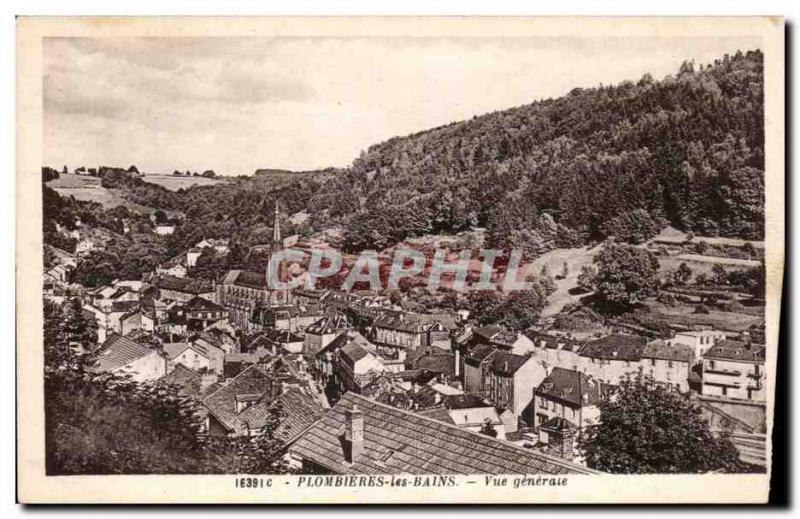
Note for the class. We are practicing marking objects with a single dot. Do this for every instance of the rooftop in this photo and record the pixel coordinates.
(736, 350)
(400, 442)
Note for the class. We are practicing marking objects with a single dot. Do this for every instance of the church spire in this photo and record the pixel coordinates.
(277, 241)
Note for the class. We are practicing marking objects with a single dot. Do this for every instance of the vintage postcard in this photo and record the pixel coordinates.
(398, 260)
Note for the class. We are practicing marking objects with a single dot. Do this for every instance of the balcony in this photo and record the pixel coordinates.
(722, 371)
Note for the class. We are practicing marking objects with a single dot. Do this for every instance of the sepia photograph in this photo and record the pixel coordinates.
(507, 259)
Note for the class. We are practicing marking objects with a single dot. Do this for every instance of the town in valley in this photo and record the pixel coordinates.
(638, 345)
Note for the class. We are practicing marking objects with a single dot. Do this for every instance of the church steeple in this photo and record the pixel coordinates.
(277, 241)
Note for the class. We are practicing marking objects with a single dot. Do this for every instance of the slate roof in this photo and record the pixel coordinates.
(328, 324)
(465, 401)
(615, 347)
(222, 402)
(400, 442)
(298, 412)
(185, 285)
(201, 304)
(567, 386)
(506, 364)
(661, 350)
(736, 350)
(354, 352)
(118, 351)
(187, 380)
(432, 360)
(479, 353)
(440, 414)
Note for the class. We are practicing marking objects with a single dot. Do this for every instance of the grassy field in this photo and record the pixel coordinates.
(89, 189)
(684, 314)
(575, 258)
(174, 183)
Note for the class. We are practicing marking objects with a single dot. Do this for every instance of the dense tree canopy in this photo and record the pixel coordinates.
(624, 159)
(646, 429)
(624, 274)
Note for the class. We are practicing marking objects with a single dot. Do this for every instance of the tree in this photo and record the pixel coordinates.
(683, 274)
(719, 274)
(625, 274)
(160, 216)
(586, 278)
(564, 270)
(647, 429)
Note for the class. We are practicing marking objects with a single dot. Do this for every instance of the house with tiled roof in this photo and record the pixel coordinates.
(195, 354)
(190, 383)
(273, 341)
(227, 404)
(556, 350)
(668, 364)
(356, 367)
(322, 332)
(501, 338)
(612, 357)
(171, 288)
(296, 411)
(123, 356)
(569, 395)
(735, 369)
(434, 360)
(361, 436)
(202, 313)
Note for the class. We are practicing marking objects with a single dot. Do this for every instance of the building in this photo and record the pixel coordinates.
(700, 340)
(475, 368)
(322, 332)
(197, 355)
(511, 380)
(122, 356)
(569, 395)
(356, 367)
(164, 229)
(228, 402)
(612, 357)
(669, 365)
(201, 313)
(361, 436)
(735, 369)
(171, 288)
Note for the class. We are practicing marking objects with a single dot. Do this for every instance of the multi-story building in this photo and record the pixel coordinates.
(735, 369)
(511, 379)
(567, 394)
(699, 340)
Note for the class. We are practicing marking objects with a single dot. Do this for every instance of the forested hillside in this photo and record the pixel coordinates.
(627, 159)
(620, 160)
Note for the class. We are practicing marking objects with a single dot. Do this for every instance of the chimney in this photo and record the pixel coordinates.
(354, 434)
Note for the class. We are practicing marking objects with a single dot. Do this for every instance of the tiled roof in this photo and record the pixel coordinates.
(251, 279)
(354, 352)
(572, 387)
(200, 304)
(465, 401)
(506, 364)
(185, 285)
(119, 351)
(400, 442)
(187, 380)
(615, 347)
(432, 360)
(661, 350)
(328, 324)
(440, 414)
(479, 353)
(298, 412)
(736, 350)
(222, 402)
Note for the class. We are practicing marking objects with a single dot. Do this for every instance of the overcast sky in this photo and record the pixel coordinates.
(237, 104)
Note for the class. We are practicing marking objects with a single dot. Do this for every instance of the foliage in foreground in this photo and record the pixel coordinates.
(647, 429)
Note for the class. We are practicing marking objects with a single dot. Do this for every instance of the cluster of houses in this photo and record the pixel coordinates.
(360, 381)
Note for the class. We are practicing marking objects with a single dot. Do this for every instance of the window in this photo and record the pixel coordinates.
(711, 364)
(669, 363)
